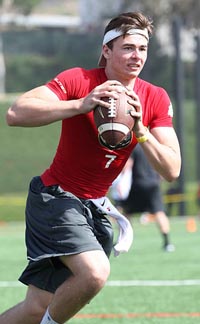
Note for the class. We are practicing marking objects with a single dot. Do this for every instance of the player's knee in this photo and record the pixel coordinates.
(97, 276)
(35, 304)
(35, 310)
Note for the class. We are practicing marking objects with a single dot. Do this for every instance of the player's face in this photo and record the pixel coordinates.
(128, 56)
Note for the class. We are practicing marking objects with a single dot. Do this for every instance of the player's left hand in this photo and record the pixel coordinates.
(136, 113)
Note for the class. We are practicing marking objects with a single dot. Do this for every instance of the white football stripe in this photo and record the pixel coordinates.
(113, 126)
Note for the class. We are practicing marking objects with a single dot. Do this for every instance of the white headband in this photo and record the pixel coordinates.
(114, 33)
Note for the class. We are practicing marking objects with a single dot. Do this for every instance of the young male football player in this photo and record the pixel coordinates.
(68, 239)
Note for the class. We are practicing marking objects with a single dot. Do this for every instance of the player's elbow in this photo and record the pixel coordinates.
(174, 169)
(11, 119)
(172, 175)
(171, 178)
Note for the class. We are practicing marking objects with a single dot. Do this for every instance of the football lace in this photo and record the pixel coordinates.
(112, 108)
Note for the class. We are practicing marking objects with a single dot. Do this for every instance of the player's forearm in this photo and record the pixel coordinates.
(33, 112)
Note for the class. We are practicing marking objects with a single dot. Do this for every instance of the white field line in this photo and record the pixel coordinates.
(154, 283)
(127, 283)
(10, 284)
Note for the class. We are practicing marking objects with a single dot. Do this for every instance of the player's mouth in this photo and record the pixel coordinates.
(134, 65)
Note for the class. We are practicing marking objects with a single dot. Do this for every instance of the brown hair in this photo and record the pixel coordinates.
(129, 20)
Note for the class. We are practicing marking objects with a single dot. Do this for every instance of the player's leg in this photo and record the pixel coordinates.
(162, 221)
(89, 269)
(29, 311)
(75, 235)
(164, 226)
(90, 272)
(157, 208)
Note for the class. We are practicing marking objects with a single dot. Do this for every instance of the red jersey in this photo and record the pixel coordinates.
(81, 165)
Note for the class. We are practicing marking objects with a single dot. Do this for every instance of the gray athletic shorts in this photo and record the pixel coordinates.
(58, 223)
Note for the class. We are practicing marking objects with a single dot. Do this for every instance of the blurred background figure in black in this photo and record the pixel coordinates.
(138, 190)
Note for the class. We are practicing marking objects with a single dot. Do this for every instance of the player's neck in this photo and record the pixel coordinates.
(127, 81)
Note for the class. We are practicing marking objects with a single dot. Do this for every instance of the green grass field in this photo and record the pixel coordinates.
(146, 285)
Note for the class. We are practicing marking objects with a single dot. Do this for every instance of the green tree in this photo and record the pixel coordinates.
(161, 11)
(24, 7)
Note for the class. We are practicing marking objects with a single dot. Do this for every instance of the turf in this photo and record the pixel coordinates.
(133, 303)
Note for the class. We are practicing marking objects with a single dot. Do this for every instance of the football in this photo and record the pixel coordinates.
(114, 124)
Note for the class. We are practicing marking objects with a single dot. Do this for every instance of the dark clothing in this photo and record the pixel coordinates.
(143, 175)
(145, 194)
(58, 223)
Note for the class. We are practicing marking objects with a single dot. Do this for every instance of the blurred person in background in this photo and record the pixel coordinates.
(120, 188)
(144, 194)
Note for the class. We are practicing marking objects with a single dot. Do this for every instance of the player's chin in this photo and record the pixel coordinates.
(133, 70)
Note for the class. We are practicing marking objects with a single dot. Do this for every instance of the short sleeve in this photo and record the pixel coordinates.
(162, 109)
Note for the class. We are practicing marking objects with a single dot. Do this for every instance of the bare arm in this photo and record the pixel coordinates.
(162, 147)
(41, 106)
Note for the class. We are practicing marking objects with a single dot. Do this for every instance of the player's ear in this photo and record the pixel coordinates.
(106, 51)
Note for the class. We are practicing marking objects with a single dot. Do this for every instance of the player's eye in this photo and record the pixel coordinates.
(128, 48)
(143, 48)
